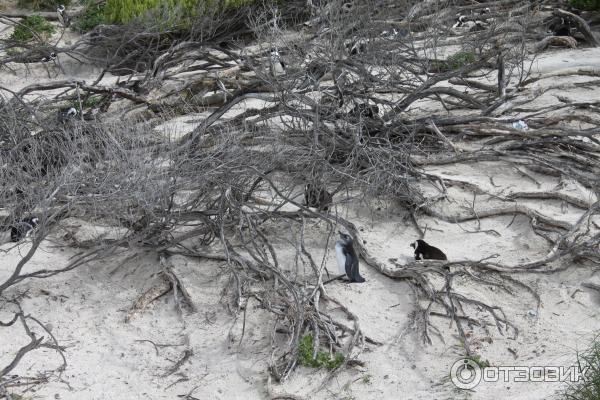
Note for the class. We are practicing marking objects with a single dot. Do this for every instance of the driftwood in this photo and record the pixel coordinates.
(581, 25)
(562, 41)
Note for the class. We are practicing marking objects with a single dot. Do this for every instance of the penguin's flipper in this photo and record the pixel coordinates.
(352, 270)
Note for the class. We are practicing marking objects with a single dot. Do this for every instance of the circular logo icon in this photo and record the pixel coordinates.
(465, 373)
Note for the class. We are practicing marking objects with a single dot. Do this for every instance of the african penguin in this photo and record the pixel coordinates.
(347, 259)
(366, 110)
(357, 46)
(49, 57)
(63, 18)
(66, 114)
(390, 34)
(560, 27)
(460, 21)
(478, 26)
(277, 67)
(424, 251)
(315, 71)
(317, 196)
(23, 229)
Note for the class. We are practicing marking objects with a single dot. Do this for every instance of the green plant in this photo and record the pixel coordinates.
(322, 359)
(123, 11)
(91, 17)
(589, 387)
(460, 59)
(31, 26)
(585, 4)
(86, 102)
(479, 361)
(43, 4)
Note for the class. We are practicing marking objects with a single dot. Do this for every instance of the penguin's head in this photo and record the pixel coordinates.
(35, 221)
(60, 8)
(71, 112)
(345, 238)
(415, 245)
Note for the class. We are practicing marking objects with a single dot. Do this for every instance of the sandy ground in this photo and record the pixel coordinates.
(111, 357)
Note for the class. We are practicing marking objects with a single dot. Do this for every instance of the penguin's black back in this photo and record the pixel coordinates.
(19, 230)
(317, 196)
(428, 252)
(352, 264)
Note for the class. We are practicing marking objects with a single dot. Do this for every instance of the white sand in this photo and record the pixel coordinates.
(87, 307)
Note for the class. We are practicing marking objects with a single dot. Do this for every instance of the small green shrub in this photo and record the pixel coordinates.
(31, 26)
(91, 17)
(479, 361)
(86, 102)
(588, 388)
(43, 4)
(323, 359)
(460, 59)
(585, 4)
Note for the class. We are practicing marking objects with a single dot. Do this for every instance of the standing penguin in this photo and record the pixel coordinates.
(62, 16)
(277, 66)
(23, 228)
(317, 196)
(347, 258)
(424, 251)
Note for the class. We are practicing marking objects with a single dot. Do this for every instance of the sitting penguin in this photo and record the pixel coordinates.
(66, 114)
(49, 57)
(559, 26)
(347, 258)
(423, 251)
(317, 196)
(365, 110)
(23, 228)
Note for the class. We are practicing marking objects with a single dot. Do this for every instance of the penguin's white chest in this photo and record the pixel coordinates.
(341, 258)
(277, 68)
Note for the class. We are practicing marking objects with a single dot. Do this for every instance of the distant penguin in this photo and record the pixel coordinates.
(49, 57)
(478, 26)
(63, 18)
(315, 71)
(366, 110)
(66, 114)
(424, 251)
(23, 229)
(560, 27)
(277, 67)
(357, 46)
(390, 34)
(317, 196)
(460, 21)
(133, 85)
(347, 259)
